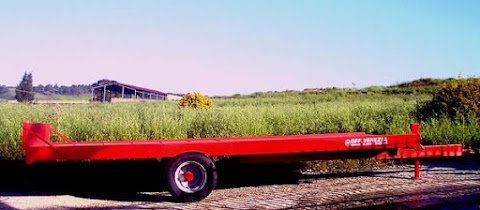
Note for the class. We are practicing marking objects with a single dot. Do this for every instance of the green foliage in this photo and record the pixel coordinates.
(453, 114)
(282, 114)
(426, 82)
(24, 90)
(343, 165)
(196, 101)
(443, 130)
(459, 97)
(415, 87)
(63, 90)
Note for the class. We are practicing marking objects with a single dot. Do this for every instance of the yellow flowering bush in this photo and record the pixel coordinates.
(195, 100)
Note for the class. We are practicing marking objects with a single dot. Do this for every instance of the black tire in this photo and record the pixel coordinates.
(204, 179)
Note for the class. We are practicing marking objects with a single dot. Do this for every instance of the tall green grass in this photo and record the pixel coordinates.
(276, 115)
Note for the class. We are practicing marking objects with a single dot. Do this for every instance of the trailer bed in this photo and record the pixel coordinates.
(191, 174)
(38, 147)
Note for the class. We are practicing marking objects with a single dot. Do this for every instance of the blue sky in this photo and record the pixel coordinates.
(228, 47)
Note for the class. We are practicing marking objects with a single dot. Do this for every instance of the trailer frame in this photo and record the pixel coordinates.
(191, 174)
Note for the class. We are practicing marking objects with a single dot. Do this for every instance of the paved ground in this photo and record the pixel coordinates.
(446, 185)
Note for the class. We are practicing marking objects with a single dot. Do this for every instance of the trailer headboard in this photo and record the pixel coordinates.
(35, 134)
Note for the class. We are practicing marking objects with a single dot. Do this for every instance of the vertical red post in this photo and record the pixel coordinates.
(415, 128)
(417, 168)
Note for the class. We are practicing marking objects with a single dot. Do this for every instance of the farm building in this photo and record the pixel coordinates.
(174, 96)
(113, 91)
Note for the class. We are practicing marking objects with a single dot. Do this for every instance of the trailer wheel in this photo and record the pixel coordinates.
(190, 177)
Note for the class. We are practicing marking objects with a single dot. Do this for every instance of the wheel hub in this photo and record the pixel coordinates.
(188, 176)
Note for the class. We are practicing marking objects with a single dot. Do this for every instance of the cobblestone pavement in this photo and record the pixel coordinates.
(391, 188)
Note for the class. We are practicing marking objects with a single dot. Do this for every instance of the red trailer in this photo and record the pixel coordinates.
(190, 172)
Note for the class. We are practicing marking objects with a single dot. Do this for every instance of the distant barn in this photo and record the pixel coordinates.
(113, 91)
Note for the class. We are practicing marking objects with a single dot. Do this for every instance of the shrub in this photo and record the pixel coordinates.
(195, 100)
(459, 98)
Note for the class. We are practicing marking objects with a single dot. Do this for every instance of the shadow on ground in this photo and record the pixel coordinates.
(122, 180)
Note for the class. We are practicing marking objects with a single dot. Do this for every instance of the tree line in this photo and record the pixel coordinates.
(24, 91)
(63, 90)
(55, 89)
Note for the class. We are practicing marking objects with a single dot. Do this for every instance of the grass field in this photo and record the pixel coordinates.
(278, 114)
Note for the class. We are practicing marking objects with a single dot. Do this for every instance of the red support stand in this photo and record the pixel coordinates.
(417, 168)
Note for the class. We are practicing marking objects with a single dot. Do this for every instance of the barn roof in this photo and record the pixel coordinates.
(142, 88)
(133, 87)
